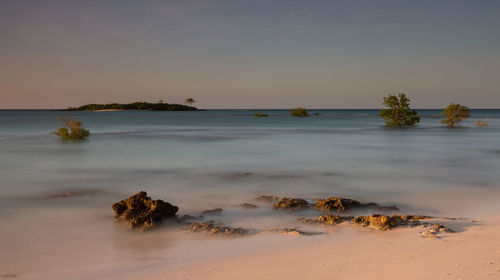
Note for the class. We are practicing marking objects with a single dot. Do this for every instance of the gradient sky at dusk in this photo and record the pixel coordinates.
(249, 54)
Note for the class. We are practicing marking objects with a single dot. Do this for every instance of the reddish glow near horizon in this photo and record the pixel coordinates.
(249, 54)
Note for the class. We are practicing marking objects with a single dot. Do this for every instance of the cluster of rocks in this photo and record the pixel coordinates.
(326, 219)
(384, 222)
(433, 230)
(331, 204)
(215, 229)
(339, 204)
(142, 213)
(290, 204)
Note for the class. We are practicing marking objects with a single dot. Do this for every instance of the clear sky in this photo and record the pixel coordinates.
(249, 54)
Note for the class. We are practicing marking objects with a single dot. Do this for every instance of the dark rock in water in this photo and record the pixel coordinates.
(216, 229)
(267, 198)
(339, 204)
(212, 211)
(248, 205)
(290, 204)
(383, 222)
(336, 204)
(141, 212)
(326, 219)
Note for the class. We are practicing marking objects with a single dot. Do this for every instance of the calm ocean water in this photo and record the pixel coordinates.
(219, 158)
(190, 157)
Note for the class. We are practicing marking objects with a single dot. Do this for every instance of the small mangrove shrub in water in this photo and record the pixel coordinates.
(299, 112)
(455, 113)
(72, 130)
(480, 123)
(398, 112)
(260, 115)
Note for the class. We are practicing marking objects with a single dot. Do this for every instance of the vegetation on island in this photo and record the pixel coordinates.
(299, 112)
(260, 115)
(72, 130)
(455, 113)
(159, 106)
(189, 101)
(398, 112)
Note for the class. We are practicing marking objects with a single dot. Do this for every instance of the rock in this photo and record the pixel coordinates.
(439, 228)
(267, 198)
(212, 211)
(248, 205)
(383, 222)
(290, 204)
(216, 229)
(292, 231)
(428, 234)
(326, 219)
(141, 212)
(336, 204)
(339, 204)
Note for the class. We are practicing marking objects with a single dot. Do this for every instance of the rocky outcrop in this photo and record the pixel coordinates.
(290, 204)
(216, 229)
(339, 204)
(326, 219)
(383, 222)
(433, 230)
(141, 212)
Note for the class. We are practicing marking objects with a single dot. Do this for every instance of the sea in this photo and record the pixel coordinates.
(56, 196)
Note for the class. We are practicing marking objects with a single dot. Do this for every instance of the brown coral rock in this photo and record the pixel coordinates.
(141, 212)
(326, 219)
(290, 204)
(340, 204)
(336, 204)
(215, 229)
(383, 222)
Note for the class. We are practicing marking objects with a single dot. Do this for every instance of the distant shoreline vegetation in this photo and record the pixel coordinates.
(160, 106)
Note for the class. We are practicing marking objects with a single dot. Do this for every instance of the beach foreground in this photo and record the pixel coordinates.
(471, 253)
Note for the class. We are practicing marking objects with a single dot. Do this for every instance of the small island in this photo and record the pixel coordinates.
(145, 106)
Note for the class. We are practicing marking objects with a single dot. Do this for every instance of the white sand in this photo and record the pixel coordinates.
(473, 253)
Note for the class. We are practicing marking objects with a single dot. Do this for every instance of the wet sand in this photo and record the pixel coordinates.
(471, 253)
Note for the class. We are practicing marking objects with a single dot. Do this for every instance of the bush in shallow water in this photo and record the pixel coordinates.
(72, 130)
(398, 112)
(299, 112)
(260, 115)
(455, 113)
(480, 123)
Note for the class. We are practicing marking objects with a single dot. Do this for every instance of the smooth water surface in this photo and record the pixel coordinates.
(221, 158)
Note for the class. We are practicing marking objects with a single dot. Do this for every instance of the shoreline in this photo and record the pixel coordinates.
(471, 253)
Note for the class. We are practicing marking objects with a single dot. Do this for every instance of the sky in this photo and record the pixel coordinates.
(249, 54)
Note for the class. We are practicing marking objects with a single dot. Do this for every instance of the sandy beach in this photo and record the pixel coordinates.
(473, 252)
